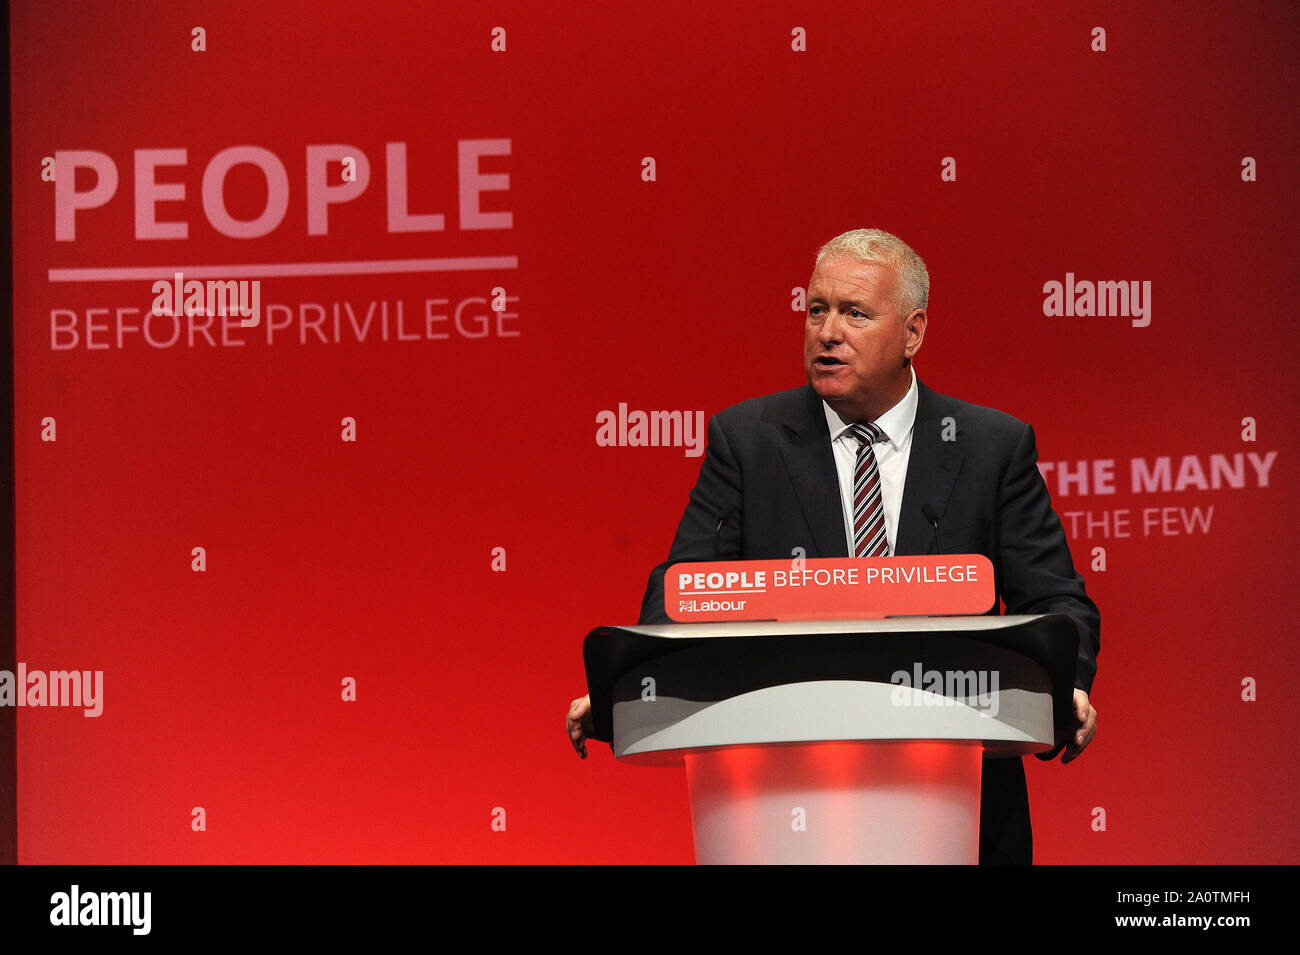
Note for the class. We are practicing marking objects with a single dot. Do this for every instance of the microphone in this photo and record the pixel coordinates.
(933, 518)
(717, 531)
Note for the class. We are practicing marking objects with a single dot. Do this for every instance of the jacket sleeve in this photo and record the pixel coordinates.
(1033, 556)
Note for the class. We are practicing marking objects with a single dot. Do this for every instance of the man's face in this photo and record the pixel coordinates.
(855, 340)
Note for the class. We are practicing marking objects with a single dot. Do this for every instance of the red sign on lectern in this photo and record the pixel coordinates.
(828, 589)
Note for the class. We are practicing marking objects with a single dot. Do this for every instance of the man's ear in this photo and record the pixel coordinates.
(915, 325)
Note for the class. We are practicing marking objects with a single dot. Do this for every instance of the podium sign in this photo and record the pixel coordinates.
(828, 589)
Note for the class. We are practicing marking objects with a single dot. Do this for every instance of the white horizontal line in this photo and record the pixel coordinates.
(714, 593)
(286, 269)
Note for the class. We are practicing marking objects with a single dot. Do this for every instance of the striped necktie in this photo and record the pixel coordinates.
(869, 539)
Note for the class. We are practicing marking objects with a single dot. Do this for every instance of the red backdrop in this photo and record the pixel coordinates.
(1000, 140)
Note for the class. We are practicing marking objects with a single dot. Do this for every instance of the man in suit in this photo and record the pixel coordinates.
(867, 461)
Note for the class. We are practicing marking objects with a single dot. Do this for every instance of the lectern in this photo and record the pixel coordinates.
(845, 741)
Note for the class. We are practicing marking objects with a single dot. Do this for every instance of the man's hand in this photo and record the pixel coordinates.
(1086, 715)
(579, 723)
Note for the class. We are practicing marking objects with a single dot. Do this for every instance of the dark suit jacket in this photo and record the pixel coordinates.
(770, 459)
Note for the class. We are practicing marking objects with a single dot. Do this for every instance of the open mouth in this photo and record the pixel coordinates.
(826, 361)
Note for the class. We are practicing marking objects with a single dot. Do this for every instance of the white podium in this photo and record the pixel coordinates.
(834, 741)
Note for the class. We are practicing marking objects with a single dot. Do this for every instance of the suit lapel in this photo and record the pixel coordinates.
(810, 464)
(932, 469)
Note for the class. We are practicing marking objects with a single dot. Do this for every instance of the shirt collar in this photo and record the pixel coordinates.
(897, 422)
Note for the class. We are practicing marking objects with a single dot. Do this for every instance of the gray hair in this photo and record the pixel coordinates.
(881, 248)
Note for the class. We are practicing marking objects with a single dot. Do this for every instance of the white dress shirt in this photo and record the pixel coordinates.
(891, 459)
